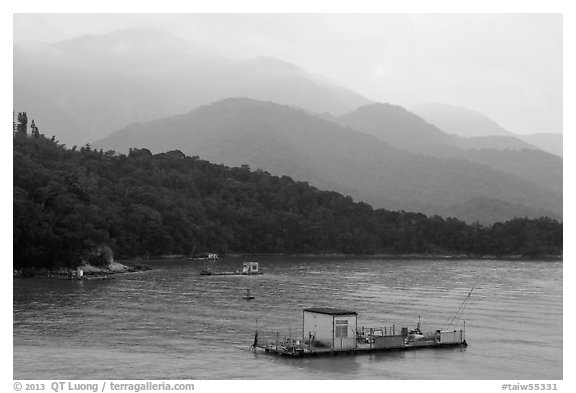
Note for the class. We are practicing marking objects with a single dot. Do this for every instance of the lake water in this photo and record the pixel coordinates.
(172, 323)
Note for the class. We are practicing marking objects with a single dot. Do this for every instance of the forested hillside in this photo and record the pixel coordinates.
(68, 200)
(288, 141)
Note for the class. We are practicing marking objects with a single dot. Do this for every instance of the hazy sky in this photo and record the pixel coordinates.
(508, 66)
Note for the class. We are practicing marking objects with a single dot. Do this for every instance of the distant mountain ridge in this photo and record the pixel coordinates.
(107, 82)
(498, 142)
(460, 121)
(552, 143)
(404, 130)
(400, 128)
(468, 123)
(287, 141)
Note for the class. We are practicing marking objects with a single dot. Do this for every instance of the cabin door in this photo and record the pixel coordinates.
(340, 333)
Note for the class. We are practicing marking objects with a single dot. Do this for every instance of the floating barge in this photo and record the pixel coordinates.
(248, 268)
(205, 256)
(331, 331)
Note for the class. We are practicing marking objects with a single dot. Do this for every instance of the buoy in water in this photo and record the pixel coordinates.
(248, 296)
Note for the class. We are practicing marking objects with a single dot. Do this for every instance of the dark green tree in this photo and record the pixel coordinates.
(35, 132)
(67, 202)
(22, 126)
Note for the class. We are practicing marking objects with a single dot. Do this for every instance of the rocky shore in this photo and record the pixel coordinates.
(84, 271)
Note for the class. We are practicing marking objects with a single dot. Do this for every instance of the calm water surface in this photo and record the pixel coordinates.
(172, 323)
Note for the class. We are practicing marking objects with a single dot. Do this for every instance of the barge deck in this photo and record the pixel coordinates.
(302, 352)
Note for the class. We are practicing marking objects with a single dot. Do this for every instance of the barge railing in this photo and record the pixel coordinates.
(367, 340)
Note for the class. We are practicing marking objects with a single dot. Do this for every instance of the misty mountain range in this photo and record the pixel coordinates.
(101, 84)
(136, 88)
(288, 141)
(478, 129)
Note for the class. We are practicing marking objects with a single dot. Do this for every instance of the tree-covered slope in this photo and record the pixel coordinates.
(287, 141)
(67, 201)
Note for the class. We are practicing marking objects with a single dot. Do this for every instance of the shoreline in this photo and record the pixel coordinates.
(386, 256)
(89, 272)
(137, 265)
(418, 256)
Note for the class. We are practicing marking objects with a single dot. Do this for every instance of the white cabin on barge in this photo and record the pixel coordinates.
(330, 327)
(250, 268)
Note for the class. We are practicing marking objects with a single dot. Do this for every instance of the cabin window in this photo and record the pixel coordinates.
(341, 326)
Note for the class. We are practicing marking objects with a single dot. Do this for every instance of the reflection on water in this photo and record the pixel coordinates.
(172, 323)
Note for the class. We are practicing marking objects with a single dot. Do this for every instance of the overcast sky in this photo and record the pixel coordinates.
(508, 66)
